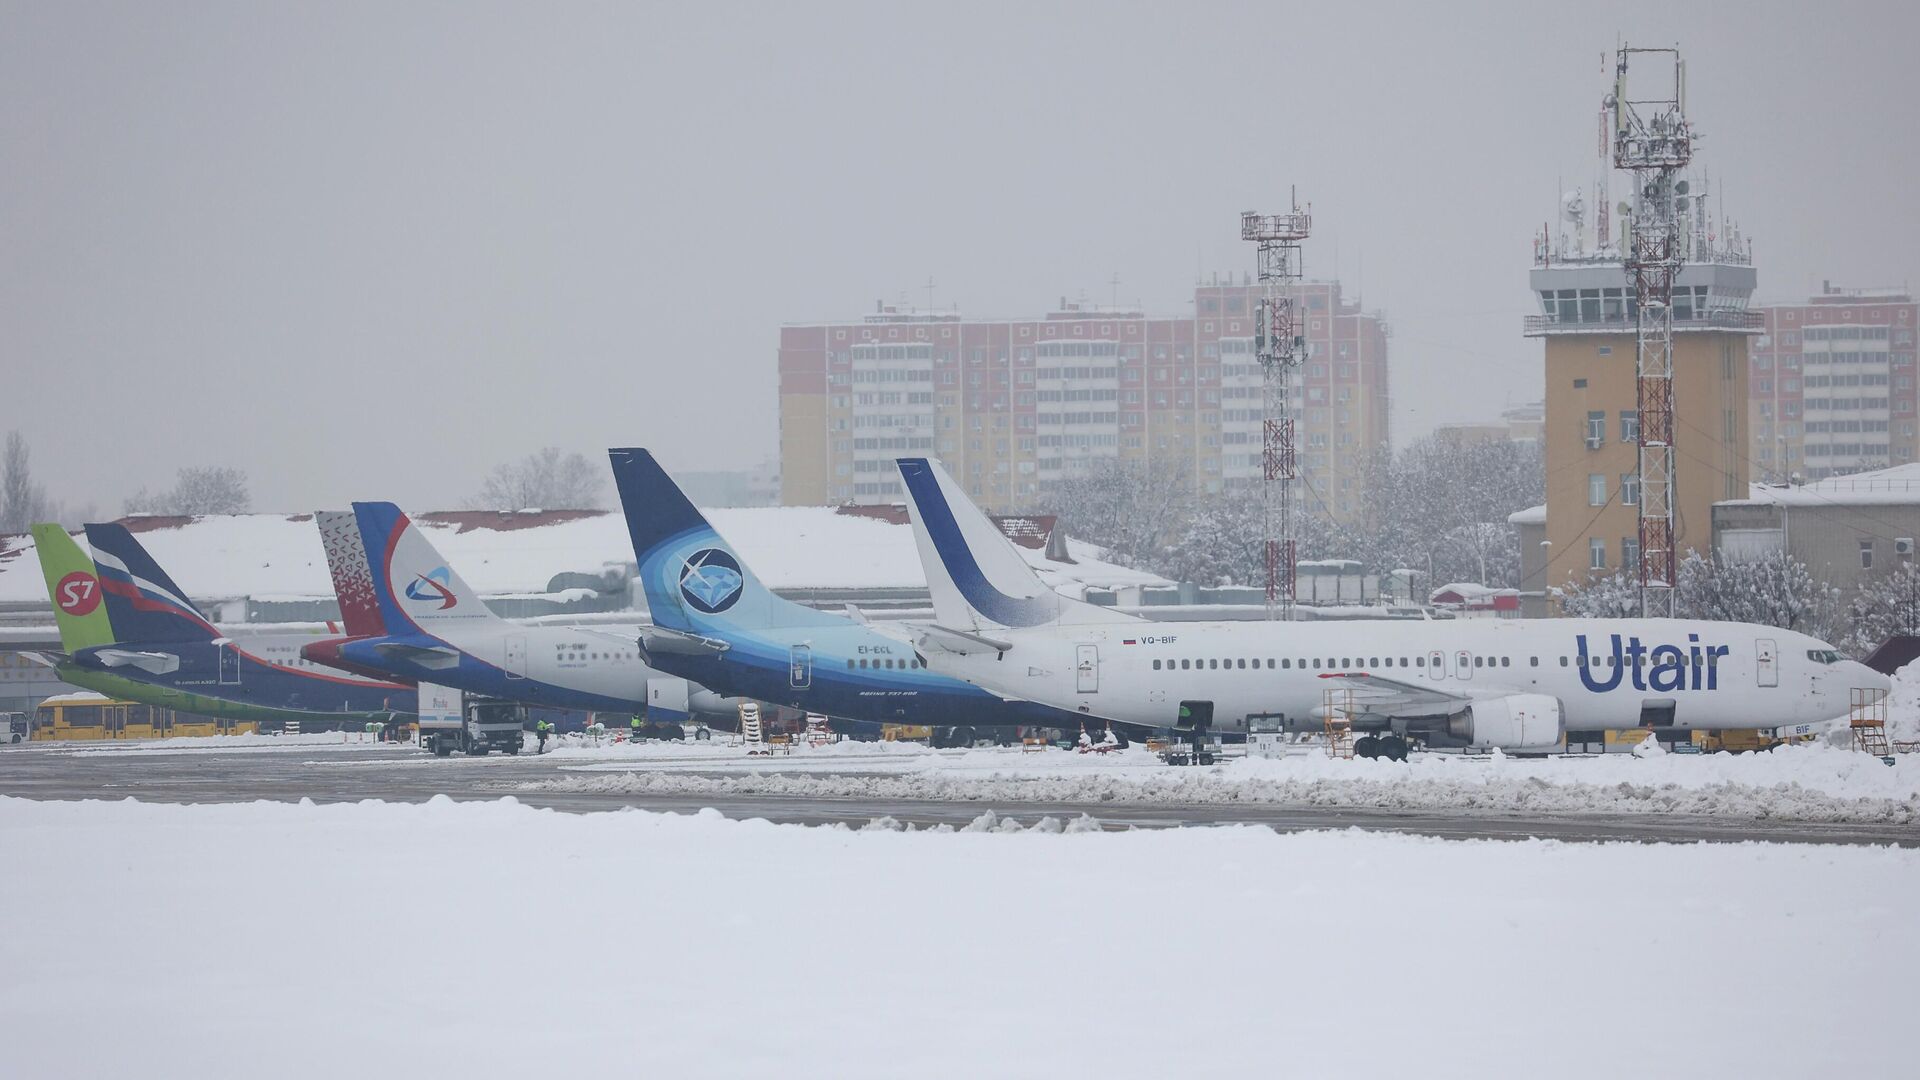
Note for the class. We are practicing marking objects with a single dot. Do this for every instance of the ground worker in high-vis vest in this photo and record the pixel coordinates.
(540, 731)
(634, 733)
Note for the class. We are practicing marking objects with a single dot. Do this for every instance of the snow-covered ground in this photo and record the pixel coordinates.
(297, 941)
(1802, 783)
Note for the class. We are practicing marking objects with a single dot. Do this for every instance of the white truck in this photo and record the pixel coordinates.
(449, 722)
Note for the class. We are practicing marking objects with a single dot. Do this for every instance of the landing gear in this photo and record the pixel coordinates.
(1391, 747)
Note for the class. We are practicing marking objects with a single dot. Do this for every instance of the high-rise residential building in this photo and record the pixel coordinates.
(1014, 406)
(1592, 424)
(1832, 385)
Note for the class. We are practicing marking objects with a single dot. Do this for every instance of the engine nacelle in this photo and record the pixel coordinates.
(1514, 722)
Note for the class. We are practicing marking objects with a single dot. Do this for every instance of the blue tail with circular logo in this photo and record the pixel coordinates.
(694, 579)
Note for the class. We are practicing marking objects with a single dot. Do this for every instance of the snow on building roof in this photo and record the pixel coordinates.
(1532, 515)
(1896, 486)
(789, 547)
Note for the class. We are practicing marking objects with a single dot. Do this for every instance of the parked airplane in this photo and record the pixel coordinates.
(409, 614)
(714, 622)
(129, 632)
(1517, 685)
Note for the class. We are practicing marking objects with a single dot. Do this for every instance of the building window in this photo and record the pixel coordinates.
(1596, 429)
(1630, 489)
(1629, 425)
(1596, 554)
(1629, 552)
(1597, 489)
(1866, 554)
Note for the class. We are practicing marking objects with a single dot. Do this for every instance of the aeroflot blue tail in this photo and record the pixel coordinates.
(695, 582)
(143, 603)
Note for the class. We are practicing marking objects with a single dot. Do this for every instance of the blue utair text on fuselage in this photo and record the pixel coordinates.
(1661, 667)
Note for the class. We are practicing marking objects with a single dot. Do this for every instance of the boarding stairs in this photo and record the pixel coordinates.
(1337, 707)
(1867, 717)
(752, 735)
(818, 732)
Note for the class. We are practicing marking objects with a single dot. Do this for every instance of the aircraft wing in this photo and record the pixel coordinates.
(157, 663)
(1384, 696)
(433, 657)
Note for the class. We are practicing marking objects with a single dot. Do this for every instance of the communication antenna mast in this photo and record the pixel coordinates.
(1281, 349)
(1652, 140)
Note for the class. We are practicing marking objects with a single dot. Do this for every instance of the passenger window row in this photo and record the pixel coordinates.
(916, 662)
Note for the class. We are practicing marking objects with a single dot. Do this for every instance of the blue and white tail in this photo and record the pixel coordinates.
(143, 603)
(978, 579)
(413, 586)
(695, 582)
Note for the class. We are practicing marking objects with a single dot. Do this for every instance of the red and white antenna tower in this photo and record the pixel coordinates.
(1652, 140)
(1281, 350)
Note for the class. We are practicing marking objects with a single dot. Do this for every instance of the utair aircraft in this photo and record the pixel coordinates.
(714, 622)
(409, 615)
(1511, 684)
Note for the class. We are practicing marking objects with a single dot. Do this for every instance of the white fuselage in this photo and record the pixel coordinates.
(1700, 674)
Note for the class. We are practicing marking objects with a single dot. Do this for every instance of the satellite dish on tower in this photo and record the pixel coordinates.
(1573, 207)
(1680, 188)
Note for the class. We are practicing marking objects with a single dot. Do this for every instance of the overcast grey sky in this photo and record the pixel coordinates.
(368, 250)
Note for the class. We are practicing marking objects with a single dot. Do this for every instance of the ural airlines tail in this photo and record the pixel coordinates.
(1519, 685)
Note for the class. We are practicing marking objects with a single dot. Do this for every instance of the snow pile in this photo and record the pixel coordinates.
(1802, 783)
(1903, 706)
(267, 941)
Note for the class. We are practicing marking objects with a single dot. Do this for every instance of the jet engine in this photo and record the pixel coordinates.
(1514, 722)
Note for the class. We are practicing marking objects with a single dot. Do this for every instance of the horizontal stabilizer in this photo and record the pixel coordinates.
(659, 639)
(52, 660)
(434, 658)
(963, 642)
(156, 663)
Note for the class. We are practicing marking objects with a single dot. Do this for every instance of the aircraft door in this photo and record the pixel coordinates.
(229, 664)
(800, 667)
(1463, 664)
(1437, 664)
(516, 664)
(1766, 661)
(1086, 668)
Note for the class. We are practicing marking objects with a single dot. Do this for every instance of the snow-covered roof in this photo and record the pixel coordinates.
(1896, 486)
(1532, 515)
(789, 547)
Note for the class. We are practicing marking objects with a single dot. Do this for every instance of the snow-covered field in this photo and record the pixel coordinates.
(248, 940)
(1802, 783)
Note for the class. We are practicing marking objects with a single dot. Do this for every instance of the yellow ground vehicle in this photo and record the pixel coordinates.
(88, 716)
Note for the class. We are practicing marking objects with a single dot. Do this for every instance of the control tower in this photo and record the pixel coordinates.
(1588, 319)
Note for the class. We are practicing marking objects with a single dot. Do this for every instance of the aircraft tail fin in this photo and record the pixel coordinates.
(414, 587)
(978, 579)
(694, 580)
(73, 586)
(142, 602)
(352, 576)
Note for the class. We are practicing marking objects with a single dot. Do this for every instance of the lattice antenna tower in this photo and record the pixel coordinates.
(1653, 141)
(1281, 350)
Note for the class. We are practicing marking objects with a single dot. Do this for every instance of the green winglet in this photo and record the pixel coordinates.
(78, 606)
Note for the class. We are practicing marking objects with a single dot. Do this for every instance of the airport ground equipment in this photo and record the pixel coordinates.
(1339, 720)
(1867, 717)
(477, 727)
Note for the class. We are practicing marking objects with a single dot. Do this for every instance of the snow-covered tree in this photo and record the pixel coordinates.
(1222, 543)
(206, 490)
(22, 502)
(545, 479)
(1884, 606)
(1613, 597)
(1134, 510)
(1776, 590)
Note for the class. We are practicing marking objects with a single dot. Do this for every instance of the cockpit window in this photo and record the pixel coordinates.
(1823, 656)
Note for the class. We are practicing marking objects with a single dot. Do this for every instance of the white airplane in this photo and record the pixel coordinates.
(1514, 684)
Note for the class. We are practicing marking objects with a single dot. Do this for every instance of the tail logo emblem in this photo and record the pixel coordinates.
(78, 593)
(432, 587)
(710, 581)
